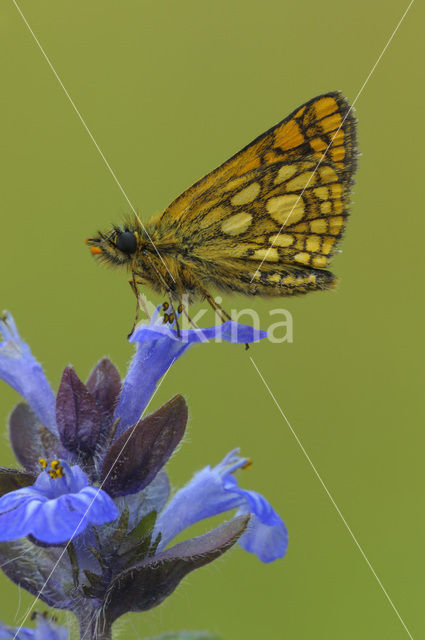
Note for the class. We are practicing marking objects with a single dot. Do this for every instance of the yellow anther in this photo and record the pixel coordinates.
(43, 462)
(165, 306)
(180, 308)
(56, 469)
(247, 464)
(171, 318)
(166, 318)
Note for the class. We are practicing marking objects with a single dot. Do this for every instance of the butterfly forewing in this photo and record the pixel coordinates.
(324, 125)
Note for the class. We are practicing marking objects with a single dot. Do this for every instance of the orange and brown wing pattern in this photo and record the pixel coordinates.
(281, 214)
(325, 121)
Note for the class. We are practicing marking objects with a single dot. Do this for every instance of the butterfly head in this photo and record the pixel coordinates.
(117, 246)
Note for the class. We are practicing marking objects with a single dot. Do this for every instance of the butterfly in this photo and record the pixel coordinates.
(266, 222)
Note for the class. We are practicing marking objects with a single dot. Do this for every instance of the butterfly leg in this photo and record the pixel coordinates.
(134, 288)
(218, 309)
(140, 304)
(173, 316)
(181, 309)
(222, 313)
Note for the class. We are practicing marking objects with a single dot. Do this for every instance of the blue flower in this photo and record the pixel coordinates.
(215, 490)
(58, 506)
(46, 630)
(158, 347)
(20, 370)
(96, 436)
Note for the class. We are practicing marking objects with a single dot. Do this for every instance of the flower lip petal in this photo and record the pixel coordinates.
(54, 510)
(20, 370)
(158, 347)
(46, 630)
(214, 490)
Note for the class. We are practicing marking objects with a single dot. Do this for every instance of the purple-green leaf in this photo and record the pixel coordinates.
(104, 384)
(137, 455)
(77, 414)
(39, 571)
(12, 479)
(147, 584)
(30, 439)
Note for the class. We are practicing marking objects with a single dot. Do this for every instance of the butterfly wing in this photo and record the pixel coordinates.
(324, 124)
(282, 220)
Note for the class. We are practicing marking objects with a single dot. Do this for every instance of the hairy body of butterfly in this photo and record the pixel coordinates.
(266, 222)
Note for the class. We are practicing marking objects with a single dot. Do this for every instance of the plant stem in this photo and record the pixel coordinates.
(91, 629)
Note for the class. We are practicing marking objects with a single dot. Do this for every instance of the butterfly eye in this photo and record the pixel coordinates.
(126, 242)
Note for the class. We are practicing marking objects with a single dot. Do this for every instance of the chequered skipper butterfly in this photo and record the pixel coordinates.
(266, 222)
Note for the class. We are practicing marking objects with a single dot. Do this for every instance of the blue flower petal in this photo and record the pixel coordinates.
(46, 630)
(54, 510)
(203, 497)
(17, 523)
(268, 542)
(22, 372)
(157, 348)
(12, 632)
(214, 490)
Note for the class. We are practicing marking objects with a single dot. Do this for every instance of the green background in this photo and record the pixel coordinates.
(170, 89)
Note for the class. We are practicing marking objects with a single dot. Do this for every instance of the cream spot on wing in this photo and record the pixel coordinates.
(239, 223)
(313, 243)
(326, 207)
(327, 245)
(286, 209)
(270, 255)
(289, 280)
(302, 258)
(336, 190)
(274, 278)
(282, 240)
(238, 250)
(300, 182)
(233, 184)
(322, 193)
(319, 261)
(335, 224)
(214, 216)
(285, 173)
(327, 174)
(319, 226)
(246, 195)
(338, 206)
(302, 227)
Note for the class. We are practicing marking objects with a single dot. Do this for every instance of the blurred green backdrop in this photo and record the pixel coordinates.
(170, 89)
